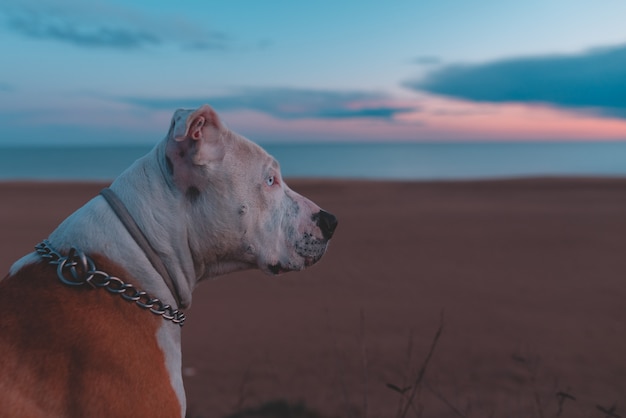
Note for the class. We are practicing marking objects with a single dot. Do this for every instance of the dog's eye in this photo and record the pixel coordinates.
(270, 181)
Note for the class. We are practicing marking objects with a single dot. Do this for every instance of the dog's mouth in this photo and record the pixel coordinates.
(307, 251)
(279, 268)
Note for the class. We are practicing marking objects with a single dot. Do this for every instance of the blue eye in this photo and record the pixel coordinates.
(270, 181)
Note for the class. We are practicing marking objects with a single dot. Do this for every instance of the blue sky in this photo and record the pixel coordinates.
(114, 72)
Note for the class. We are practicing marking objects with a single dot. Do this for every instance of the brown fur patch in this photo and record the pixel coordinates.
(78, 352)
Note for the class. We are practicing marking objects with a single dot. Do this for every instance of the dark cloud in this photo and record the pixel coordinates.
(286, 103)
(369, 112)
(594, 81)
(111, 28)
(38, 27)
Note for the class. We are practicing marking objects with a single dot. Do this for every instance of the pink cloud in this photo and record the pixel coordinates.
(433, 119)
(467, 120)
(437, 119)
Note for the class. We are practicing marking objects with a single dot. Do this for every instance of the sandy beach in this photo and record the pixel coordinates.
(528, 275)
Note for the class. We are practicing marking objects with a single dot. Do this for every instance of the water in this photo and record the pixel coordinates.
(401, 161)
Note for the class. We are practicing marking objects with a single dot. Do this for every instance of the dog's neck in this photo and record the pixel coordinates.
(161, 219)
(86, 228)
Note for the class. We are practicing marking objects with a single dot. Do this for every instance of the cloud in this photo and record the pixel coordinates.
(287, 103)
(39, 27)
(105, 26)
(590, 81)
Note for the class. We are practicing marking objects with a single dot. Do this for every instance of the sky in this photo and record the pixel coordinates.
(113, 72)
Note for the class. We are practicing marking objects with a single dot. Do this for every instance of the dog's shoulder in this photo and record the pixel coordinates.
(78, 351)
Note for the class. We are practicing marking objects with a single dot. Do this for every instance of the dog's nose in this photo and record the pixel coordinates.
(327, 223)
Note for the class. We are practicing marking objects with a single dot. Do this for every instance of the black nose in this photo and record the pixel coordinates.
(327, 223)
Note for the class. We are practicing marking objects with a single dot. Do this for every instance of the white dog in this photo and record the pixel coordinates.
(74, 339)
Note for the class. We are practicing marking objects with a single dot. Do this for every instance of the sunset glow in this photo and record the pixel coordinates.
(115, 72)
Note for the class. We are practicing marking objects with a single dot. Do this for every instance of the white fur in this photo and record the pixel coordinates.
(210, 202)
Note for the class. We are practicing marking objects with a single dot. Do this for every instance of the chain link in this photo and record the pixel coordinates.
(78, 269)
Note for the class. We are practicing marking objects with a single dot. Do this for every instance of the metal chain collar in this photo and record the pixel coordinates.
(78, 269)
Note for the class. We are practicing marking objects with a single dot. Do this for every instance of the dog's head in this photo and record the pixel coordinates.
(241, 212)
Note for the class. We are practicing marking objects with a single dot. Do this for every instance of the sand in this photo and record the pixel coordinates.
(528, 275)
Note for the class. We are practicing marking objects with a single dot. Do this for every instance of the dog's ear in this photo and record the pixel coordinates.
(200, 132)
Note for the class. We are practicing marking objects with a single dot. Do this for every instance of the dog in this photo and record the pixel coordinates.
(91, 321)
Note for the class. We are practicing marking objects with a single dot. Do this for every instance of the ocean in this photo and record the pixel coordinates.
(381, 161)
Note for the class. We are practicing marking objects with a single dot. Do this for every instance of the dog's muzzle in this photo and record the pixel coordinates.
(309, 247)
